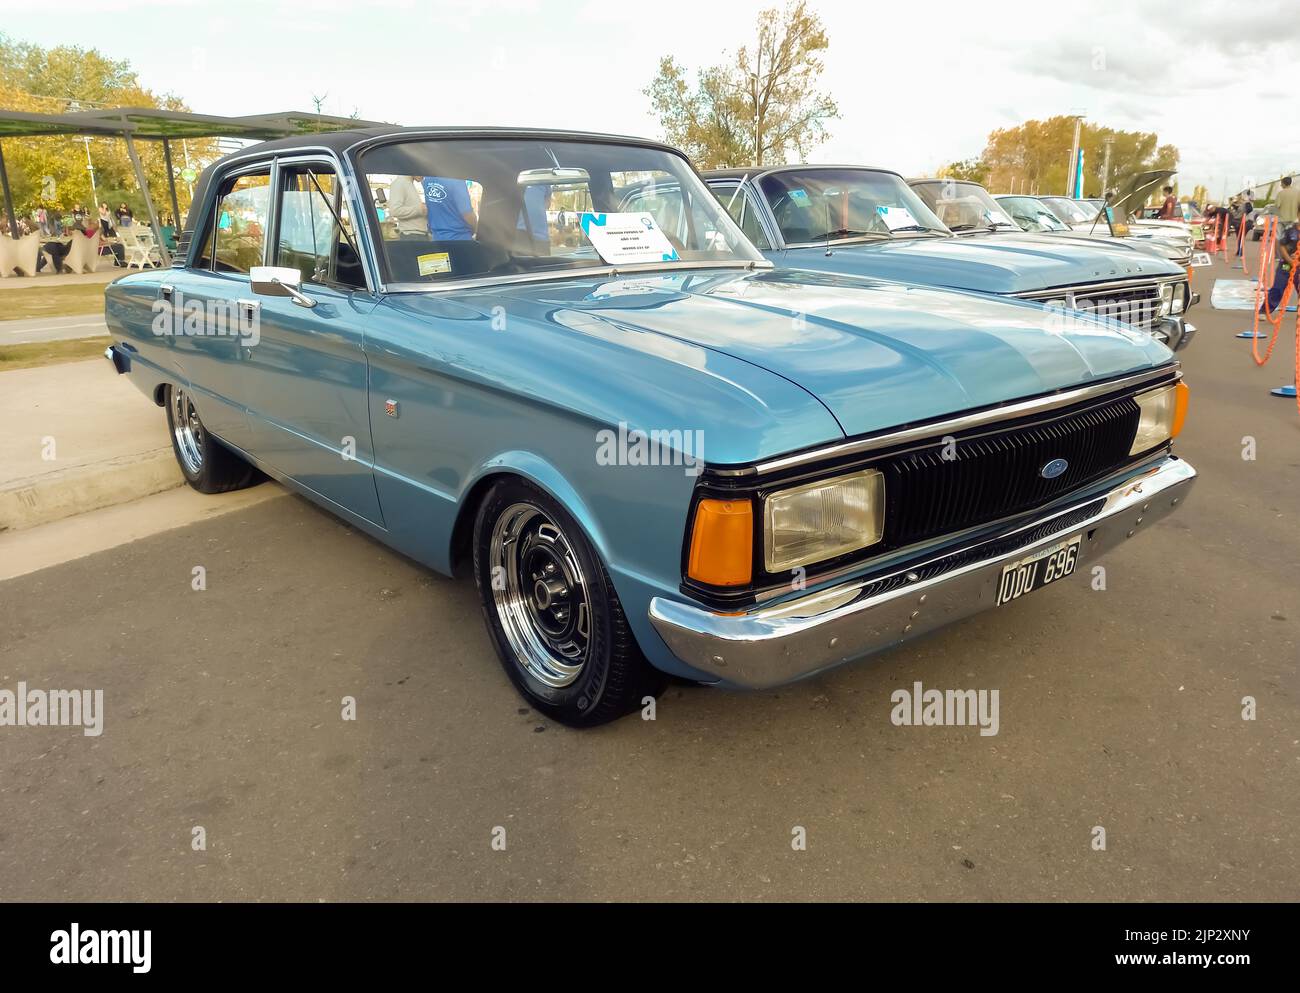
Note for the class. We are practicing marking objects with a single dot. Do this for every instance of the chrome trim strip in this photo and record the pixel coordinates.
(772, 645)
(962, 422)
(603, 271)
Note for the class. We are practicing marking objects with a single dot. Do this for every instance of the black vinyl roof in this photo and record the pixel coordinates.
(338, 141)
(152, 122)
(755, 171)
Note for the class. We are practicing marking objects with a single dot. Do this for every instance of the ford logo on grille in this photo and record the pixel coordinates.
(1053, 468)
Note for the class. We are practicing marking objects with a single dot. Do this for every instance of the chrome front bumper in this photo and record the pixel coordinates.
(772, 645)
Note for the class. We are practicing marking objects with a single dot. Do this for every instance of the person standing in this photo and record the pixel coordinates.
(451, 214)
(1288, 204)
(1286, 264)
(106, 222)
(1169, 209)
(406, 204)
(1247, 221)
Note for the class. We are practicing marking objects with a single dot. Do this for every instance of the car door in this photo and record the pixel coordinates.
(307, 375)
(209, 305)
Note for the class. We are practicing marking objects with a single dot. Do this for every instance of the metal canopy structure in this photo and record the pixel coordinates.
(153, 124)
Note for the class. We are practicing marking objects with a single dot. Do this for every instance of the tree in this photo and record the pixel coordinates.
(1035, 156)
(51, 171)
(760, 106)
(974, 170)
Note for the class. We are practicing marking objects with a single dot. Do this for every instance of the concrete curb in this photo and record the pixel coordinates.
(25, 503)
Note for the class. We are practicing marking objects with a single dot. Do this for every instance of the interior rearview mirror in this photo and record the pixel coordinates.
(556, 176)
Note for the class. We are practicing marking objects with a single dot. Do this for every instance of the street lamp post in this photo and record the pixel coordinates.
(90, 168)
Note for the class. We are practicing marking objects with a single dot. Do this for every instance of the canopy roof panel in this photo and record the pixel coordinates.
(150, 122)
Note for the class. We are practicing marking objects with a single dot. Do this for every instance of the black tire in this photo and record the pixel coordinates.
(613, 676)
(206, 464)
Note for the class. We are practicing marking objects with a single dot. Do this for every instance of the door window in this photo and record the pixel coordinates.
(239, 223)
(741, 208)
(316, 234)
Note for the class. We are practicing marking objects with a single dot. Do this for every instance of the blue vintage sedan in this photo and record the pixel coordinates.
(852, 220)
(657, 453)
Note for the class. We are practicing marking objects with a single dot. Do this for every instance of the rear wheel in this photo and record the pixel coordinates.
(551, 610)
(207, 464)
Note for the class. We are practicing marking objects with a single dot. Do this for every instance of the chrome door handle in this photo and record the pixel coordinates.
(165, 291)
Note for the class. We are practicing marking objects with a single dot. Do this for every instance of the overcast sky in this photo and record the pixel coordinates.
(918, 85)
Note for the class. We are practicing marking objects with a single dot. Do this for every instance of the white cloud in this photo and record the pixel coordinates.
(918, 85)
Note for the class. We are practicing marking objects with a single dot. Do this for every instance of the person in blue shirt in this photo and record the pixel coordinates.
(451, 215)
(1287, 243)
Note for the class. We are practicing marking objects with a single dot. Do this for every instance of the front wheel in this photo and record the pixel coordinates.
(551, 610)
(207, 464)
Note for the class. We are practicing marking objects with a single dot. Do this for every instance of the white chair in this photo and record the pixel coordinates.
(21, 255)
(141, 249)
(83, 252)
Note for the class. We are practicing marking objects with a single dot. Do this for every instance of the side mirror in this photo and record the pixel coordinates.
(274, 280)
(279, 281)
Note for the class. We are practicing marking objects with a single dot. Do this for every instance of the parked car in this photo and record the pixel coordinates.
(852, 220)
(656, 453)
(1175, 246)
(956, 202)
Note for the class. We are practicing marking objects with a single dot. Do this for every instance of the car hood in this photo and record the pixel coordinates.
(1124, 258)
(877, 354)
(1003, 264)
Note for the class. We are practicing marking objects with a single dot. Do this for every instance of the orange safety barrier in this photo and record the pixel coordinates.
(1267, 255)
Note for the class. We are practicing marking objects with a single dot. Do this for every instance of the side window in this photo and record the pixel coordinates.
(741, 208)
(240, 223)
(310, 239)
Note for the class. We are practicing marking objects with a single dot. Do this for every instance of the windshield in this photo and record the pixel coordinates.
(1031, 214)
(817, 205)
(1070, 211)
(457, 208)
(964, 206)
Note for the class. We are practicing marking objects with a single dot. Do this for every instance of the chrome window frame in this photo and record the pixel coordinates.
(238, 164)
(373, 236)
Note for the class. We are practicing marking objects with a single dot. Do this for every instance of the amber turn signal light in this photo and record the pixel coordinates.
(1181, 393)
(722, 543)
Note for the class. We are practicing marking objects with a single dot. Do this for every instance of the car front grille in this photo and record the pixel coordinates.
(1135, 303)
(946, 488)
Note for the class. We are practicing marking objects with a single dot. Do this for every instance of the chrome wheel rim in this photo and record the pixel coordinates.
(540, 595)
(188, 431)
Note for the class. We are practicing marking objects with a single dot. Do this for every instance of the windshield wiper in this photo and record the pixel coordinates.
(842, 233)
(916, 227)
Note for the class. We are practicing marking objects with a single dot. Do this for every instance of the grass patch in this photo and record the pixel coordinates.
(39, 353)
(69, 300)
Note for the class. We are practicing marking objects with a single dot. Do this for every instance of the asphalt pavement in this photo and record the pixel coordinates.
(28, 330)
(1120, 709)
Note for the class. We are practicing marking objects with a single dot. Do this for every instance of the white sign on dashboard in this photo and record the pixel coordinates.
(627, 238)
(896, 217)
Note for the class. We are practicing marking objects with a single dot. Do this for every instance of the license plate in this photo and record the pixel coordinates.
(1037, 570)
